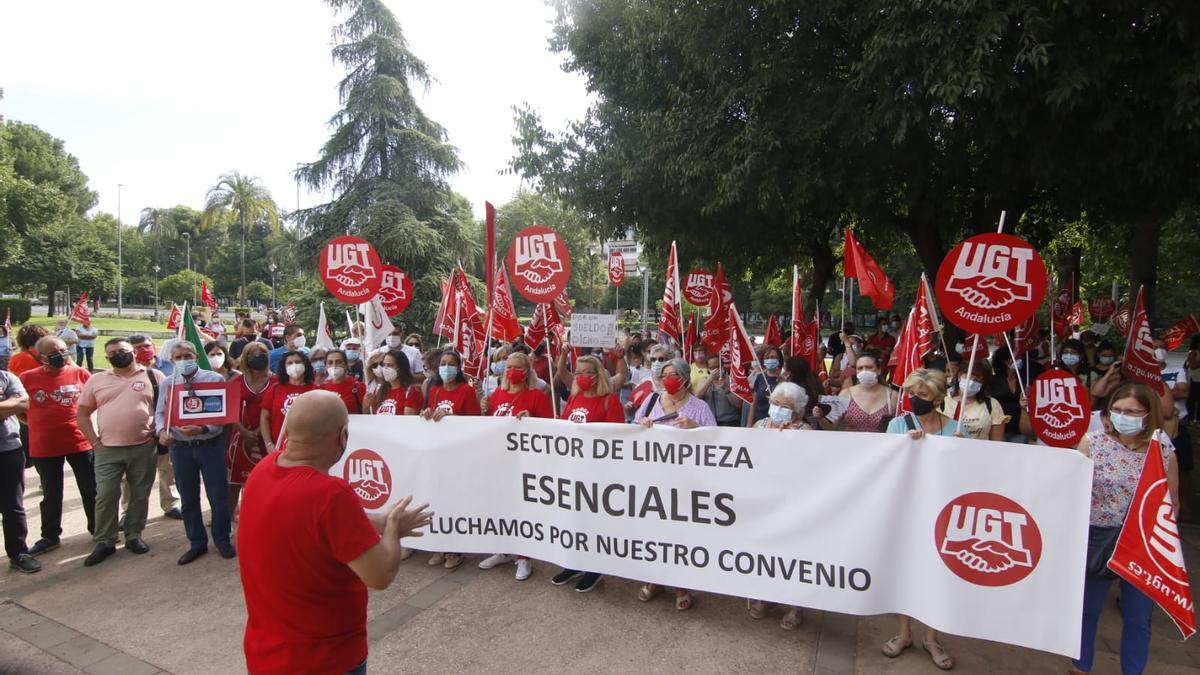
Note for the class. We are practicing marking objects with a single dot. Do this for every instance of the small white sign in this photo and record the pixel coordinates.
(593, 330)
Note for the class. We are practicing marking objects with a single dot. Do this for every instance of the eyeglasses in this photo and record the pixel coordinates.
(658, 359)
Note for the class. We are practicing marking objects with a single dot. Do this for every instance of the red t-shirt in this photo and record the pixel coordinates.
(53, 400)
(884, 343)
(398, 399)
(504, 404)
(306, 609)
(252, 401)
(580, 408)
(461, 401)
(351, 391)
(279, 399)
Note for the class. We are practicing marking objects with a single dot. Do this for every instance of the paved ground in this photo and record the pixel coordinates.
(146, 614)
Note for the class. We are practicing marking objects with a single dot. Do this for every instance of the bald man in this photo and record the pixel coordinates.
(309, 551)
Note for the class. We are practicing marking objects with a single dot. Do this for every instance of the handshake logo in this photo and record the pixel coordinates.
(992, 276)
(988, 539)
(536, 258)
(369, 477)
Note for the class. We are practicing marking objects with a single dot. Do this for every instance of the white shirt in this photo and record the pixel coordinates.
(1173, 375)
(68, 336)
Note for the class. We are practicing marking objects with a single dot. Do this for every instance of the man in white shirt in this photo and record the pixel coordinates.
(66, 335)
(394, 343)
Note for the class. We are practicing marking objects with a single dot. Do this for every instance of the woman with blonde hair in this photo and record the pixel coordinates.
(926, 389)
(1131, 419)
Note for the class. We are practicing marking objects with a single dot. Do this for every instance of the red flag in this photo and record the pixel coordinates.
(1175, 335)
(1076, 317)
(1149, 552)
(174, 317)
(1060, 313)
(871, 280)
(981, 349)
(916, 340)
(691, 337)
(741, 354)
(80, 311)
(562, 304)
(1025, 337)
(1121, 319)
(288, 313)
(672, 316)
(772, 337)
(490, 251)
(443, 323)
(716, 325)
(536, 332)
(1140, 364)
(207, 297)
(805, 341)
(505, 326)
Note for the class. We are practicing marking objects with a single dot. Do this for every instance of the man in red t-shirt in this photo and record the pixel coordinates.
(305, 577)
(55, 437)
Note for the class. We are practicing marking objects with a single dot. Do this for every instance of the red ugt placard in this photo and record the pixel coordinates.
(1059, 409)
(991, 283)
(395, 290)
(616, 268)
(540, 263)
(350, 269)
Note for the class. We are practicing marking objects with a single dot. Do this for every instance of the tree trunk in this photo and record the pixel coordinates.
(927, 241)
(1144, 272)
(824, 268)
(1068, 270)
(242, 289)
(50, 291)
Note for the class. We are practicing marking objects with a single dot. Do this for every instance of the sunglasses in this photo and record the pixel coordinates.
(658, 359)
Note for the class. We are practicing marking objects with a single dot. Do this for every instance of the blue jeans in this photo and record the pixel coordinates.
(84, 352)
(191, 463)
(1136, 608)
(360, 669)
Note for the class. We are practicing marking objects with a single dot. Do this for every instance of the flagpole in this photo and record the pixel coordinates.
(933, 315)
(457, 319)
(1011, 360)
(678, 293)
(550, 371)
(962, 404)
(349, 326)
(843, 301)
(1000, 229)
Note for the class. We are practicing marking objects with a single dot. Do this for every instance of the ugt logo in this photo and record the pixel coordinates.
(369, 476)
(536, 257)
(991, 276)
(1160, 532)
(987, 539)
(349, 263)
(392, 286)
(1057, 403)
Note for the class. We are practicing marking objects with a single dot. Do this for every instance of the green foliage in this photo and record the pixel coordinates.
(179, 287)
(18, 307)
(251, 206)
(258, 290)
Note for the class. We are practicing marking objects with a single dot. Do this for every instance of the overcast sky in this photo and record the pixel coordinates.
(164, 97)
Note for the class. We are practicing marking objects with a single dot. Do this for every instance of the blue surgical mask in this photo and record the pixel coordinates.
(352, 354)
(186, 367)
(779, 414)
(318, 366)
(971, 386)
(1127, 424)
(771, 364)
(1107, 360)
(656, 367)
(498, 368)
(448, 373)
(1070, 359)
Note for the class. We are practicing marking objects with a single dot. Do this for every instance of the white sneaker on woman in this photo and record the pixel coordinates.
(496, 560)
(524, 569)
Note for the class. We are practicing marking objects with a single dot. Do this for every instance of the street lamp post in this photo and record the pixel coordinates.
(120, 256)
(272, 267)
(187, 236)
(645, 295)
(156, 269)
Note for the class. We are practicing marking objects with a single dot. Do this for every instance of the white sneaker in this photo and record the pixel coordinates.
(496, 560)
(524, 569)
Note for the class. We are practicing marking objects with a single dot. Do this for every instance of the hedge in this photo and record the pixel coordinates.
(19, 307)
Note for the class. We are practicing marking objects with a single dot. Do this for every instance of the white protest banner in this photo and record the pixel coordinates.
(977, 538)
(593, 330)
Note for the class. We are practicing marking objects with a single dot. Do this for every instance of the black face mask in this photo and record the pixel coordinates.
(256, 362)
(57, 359)
(920, 406)
(121, 359)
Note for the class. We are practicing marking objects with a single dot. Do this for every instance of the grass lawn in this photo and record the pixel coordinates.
(103, 324)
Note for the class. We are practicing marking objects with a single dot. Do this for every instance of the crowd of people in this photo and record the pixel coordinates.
(110, 426)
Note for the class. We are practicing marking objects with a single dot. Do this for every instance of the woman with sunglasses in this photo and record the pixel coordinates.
(1133, 416)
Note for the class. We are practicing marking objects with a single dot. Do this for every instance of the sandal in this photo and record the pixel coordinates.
(683, 601)
(756, 609)
(649, 592)
(791, 620)
(940, 658)
(895, 647)
(453, 560)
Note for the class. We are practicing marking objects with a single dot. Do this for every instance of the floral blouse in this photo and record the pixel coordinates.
(1115, 473)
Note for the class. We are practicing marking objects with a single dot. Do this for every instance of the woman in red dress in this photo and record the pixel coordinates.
(246, 446)
(295, 375)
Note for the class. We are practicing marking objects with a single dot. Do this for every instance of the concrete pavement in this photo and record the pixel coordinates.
(145, 614)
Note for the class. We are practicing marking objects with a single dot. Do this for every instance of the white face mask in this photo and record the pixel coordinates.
(970, 386)
(1161, 355)
(868, 377)
(388, 374)
(377, 371)
(395, 341)
(336, 372)
(216, 360)
(298, 342)
(295, 370)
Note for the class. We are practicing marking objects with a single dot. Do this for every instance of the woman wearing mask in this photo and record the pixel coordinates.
(295, 376)
(396, 393)
(983, 418)
(1106, 356)
(372, 371)
(1118, 452)
(517, 397)
(495, 377)
(868, 402)
(218, 360)
(591, 400)
(317, 358)
(449, 394)
(246, 443)
(926, 389)
(764, 383)
(785, 410)
(658, 356)
(339, 380)
(677, 407)
(1005, 387)
(1072, 360)
(714, 391)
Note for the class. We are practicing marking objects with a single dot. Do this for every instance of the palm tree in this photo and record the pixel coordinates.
(249, 202)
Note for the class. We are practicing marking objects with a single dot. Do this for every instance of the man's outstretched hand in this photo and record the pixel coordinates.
(405, 522)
